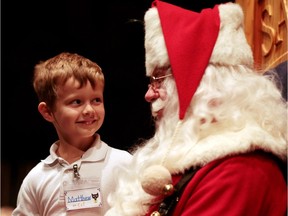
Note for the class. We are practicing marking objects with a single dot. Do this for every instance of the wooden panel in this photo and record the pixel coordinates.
(266, 30)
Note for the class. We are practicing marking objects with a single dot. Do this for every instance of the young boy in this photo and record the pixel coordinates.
(77, 176)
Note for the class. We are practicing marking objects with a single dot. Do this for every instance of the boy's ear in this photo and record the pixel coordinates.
(45, 111)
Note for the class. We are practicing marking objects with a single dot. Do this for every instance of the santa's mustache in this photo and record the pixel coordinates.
(156, 106)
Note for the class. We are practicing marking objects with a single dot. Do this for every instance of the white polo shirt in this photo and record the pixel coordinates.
(42, 190)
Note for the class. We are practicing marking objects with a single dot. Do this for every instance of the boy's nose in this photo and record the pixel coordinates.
(88, 109)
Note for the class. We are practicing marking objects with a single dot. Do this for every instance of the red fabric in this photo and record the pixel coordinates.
(190, 38)
(249, 184)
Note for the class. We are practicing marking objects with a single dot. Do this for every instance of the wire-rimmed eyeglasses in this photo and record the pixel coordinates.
(156, 82)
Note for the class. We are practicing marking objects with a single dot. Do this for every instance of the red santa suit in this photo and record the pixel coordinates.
(232, 186)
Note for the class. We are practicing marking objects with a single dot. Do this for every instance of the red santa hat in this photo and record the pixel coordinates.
(188, 41)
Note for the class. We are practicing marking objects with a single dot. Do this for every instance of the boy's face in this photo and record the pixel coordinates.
(78, 112)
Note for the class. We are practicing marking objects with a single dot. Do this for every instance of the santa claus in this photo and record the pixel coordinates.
(220, 142)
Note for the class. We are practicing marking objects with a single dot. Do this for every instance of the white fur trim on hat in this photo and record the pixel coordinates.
(155, 48)
(231, 47)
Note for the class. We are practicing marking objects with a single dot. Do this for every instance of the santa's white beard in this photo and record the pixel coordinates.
(208, 132)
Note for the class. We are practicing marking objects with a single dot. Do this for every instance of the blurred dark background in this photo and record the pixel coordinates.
(111, 33)
(106, 33)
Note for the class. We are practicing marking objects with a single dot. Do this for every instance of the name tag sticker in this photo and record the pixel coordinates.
(82, 198)
(81, 193)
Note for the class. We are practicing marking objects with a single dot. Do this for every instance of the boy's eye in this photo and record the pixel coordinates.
(97, 100)
(76, 101)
